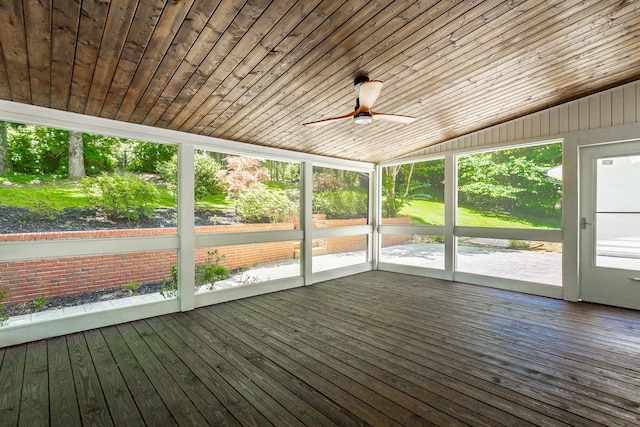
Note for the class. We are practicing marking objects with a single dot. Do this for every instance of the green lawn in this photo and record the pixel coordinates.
(31, 192)
(432, 213)
(219, 202)
(62, 194)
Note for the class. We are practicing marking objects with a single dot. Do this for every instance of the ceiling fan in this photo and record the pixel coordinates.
(368, 91)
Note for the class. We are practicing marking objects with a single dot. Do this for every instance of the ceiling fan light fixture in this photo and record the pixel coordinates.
(363, 118)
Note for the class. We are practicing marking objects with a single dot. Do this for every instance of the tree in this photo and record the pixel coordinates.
(4, 149)
(241, 172)
(392, 201)
(76, 156)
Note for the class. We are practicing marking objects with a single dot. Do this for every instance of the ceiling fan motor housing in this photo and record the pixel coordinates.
(358, 81)
(363, 118)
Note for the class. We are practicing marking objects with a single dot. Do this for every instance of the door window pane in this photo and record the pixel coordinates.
(618, 213)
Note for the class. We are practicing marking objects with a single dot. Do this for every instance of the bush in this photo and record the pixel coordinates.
(205, 170)
(391, 206)
(207, 273)
(327, 181)
(259, 204)
(242, 172)
(3, 318)
(121, 195)
(340, 204)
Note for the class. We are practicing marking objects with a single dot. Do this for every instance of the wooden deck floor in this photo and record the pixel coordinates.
(372, 349)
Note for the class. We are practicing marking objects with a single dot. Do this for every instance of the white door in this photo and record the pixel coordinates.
(610, 224)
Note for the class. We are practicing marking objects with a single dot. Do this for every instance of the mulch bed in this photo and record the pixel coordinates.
(75, 300)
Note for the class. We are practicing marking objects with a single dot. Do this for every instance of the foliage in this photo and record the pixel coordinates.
(392, 200)
(147, 156)
(512, 180)
(427, 182)
(207, 273)
(121, 195)
(3, 318)
(42, 210)
(37, 150)
(283, 171)
(132, 287)
(205, 180)
(341, 204)
(261, 204)
(241, 172)
(391, 206)
(211, 270)
(5, 166)
(38, 303)
(327, 181)
(170, 286)
(342, 179)
(41, 150)
(99, 153)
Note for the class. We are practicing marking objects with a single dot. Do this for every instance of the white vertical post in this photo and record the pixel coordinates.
(570, 215)
(306, 221)
(186, 229)
(450, 209)
(375, 215)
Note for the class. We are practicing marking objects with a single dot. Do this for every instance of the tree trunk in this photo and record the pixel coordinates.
(406, 190)
(76, 156)
(4, 148)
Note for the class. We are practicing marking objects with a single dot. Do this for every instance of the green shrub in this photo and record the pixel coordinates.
(207, 273)
(340, 204)
(260, 204)
(42, 210)
(210, 271)
(3, 318)
(391, 206)
(121, 195)
(205, 182)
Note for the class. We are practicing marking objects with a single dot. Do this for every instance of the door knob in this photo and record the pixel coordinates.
(584, 223)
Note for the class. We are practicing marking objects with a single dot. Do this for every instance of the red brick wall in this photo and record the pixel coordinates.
(33, 279)
(47, 278)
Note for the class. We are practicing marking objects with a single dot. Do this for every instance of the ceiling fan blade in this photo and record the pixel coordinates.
(369, 92)
(332, 119)
(393, 118)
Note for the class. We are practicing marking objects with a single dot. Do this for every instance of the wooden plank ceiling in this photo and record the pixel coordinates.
(254, 71)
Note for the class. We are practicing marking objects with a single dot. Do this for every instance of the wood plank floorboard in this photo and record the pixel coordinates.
(373, 349)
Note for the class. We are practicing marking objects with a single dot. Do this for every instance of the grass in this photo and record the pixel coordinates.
(48, 191)
(219, 201)
(62, 194)
(432, 213)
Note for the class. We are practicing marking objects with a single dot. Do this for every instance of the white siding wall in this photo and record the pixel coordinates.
(611, 108)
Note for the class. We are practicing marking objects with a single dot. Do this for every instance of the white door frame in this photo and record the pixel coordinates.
(606, 285)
